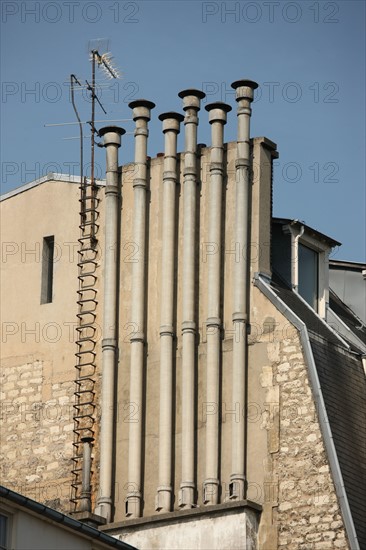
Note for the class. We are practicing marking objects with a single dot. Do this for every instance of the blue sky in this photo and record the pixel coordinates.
(307, 56)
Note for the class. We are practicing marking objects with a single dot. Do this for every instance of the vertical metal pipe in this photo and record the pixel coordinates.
(217, 118)
(141, 116)
(171, 127)
(244, 97)
(191, 106)
(112, 141)
(85, 495)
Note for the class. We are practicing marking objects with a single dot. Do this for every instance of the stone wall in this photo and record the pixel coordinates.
(300, 509)
(36, 431)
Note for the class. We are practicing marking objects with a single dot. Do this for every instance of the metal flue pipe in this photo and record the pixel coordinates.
(141, 115)
(191, 106)
(85, 494)
(217, 118)
(244, 97)
(112, 141)
(171, 127)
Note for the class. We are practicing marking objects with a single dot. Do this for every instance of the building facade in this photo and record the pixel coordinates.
(201, 408)
(25, 523)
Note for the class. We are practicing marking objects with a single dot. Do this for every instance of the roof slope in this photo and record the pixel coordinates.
(65, 521)
(347, 316)
(343, 386)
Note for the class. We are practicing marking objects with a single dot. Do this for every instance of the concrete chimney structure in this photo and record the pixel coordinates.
(244, 97)
(171, 128)
(112, 141)
(191, 105)
(141, 109)
(217, 118)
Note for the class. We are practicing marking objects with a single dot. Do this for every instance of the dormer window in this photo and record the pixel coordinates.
(300, 255)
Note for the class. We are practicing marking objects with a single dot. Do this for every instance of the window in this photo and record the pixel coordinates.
(47, 269)
(309, 264)
(3, 532)
(308, 275)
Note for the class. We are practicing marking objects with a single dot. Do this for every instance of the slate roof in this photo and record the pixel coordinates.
(343, 383)
(44, 512)
(347, 316)
(301, 309)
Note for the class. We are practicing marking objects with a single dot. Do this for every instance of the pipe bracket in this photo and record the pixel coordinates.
(211, 490)
(244, 110)
(141, 132)
(137, 337)
(190, 171)
(167, 330)
(242, 163)
(104, 500)
(111, 189)
(216, 167)
(189, 326)
(191, 118)
(239, 317)
(109, 343)
(139, 182)
(169, 175)
(213, 322)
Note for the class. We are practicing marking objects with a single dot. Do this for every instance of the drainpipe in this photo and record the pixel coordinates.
(171, 128)
(244, 97)
(85, 495)
(112, 141)
(217, 118)
(141, 115)
(295, 257)
(191, 106)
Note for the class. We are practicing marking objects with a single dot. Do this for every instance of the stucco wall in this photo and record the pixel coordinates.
(234, 528)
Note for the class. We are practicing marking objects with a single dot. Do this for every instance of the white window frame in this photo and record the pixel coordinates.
(9, 538)
(299, 235)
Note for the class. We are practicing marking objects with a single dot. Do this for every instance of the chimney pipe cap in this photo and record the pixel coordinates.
(171, 114)
(244, 82)
(115, 129)
(141, 103)
(192, 91)
(218, 105)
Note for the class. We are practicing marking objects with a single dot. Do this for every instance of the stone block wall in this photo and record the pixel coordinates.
(36, 415)
(301, 511)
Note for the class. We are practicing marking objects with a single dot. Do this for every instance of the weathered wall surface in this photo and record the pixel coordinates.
(38, 342)
(300, 506)
(36, 431)
(233, 527)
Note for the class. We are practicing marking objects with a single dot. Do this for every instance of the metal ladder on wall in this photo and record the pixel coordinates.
(84, 406)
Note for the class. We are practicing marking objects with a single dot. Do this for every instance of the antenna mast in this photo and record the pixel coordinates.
(84, 407)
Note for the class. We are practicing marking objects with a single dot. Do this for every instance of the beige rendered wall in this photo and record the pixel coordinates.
(38, 342)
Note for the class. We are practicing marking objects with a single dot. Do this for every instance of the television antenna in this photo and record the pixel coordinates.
(84, 407)
(101, 59)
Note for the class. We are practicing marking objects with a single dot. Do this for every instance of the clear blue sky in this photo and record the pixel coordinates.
(307, 56)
